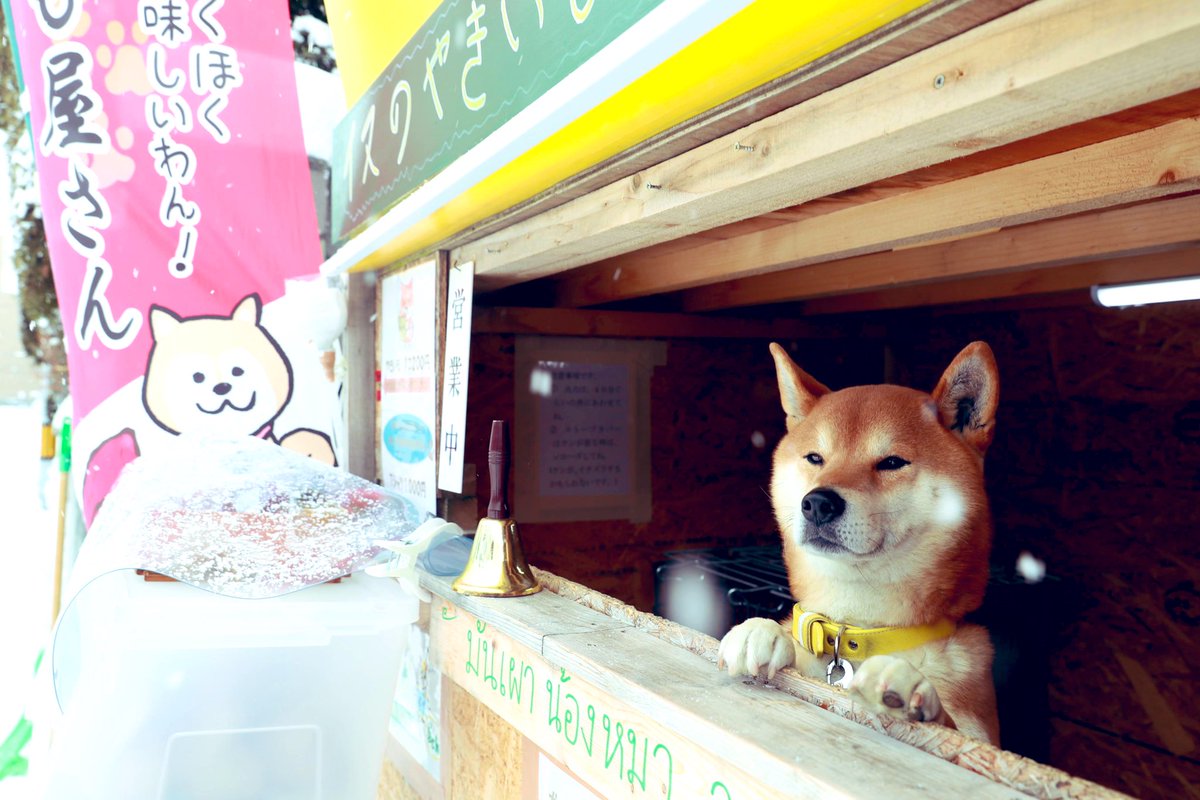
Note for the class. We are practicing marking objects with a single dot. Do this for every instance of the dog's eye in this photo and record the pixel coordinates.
(198, 377)
(238, 372)
(814, 458)
(890, 463)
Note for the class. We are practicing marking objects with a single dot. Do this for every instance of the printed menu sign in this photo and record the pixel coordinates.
(407, 390)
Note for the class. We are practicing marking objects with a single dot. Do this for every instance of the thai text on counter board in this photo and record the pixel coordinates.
(560, 708)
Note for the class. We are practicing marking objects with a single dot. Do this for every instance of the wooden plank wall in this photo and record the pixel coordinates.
(1094, 470)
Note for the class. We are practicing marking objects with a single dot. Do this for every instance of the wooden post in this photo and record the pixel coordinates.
(360, 375)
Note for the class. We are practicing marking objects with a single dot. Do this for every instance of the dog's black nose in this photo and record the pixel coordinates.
(822, 505)
(222, 389)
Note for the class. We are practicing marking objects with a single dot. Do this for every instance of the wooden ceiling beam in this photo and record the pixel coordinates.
(1144, 165)
(1110, 233)
(1044, 66)
(1122, 123)
(1178, 263)
(633, 324)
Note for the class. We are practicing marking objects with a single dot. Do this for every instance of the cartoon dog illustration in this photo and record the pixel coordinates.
(212, 375)
(222, 376)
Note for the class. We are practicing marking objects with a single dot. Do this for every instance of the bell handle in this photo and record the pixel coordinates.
(498, 461)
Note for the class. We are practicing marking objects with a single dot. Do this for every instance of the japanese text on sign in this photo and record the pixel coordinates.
(469, 69)
(454, 385)
(212, 74)
(72, 132)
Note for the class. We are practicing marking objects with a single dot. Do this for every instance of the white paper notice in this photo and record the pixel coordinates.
(584, 428)
(408, 393)
(454, 376)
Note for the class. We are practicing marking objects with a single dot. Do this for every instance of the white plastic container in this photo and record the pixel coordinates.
(184, 694)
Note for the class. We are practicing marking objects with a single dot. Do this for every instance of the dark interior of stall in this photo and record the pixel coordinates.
(1093, 473)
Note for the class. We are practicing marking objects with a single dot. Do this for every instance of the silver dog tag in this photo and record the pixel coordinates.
(839, 673)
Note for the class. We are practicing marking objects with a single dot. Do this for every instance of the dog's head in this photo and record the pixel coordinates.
(885, 484)
(215, 375)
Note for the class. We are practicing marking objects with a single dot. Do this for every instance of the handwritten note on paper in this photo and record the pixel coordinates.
(584, 428)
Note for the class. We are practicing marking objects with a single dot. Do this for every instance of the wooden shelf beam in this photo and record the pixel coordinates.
(1153, 163)
(1110, 233)
(633, 324)
(1112, 126)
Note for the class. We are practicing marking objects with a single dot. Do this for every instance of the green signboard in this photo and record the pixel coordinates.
(469, 69)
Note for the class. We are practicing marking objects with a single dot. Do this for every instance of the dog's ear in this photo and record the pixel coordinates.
(162, 323)
(798, 390)
(249, 310)
(967, 395)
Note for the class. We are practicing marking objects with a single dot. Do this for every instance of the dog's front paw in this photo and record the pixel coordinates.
(892, 686)
(754, 644)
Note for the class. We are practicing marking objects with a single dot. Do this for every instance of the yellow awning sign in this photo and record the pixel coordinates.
(490, 104)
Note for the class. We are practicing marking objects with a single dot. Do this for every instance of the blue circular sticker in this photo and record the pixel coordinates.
(408, 439)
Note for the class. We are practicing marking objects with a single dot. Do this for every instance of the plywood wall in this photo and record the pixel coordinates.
(485, 755)
(1095, 470)
(392, 784)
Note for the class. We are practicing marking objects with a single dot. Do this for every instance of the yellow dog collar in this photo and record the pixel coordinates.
(817, 635)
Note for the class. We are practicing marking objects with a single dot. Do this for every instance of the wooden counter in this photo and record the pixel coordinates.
(632, 705)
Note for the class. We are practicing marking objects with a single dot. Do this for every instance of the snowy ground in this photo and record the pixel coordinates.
(27, 538)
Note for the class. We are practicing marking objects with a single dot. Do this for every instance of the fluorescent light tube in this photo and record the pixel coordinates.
(1140, 294)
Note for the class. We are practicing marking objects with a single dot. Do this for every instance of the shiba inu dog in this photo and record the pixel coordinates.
(879, 496)
(222, 376)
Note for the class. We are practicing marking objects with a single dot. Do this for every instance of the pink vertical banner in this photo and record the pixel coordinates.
(178, 207)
